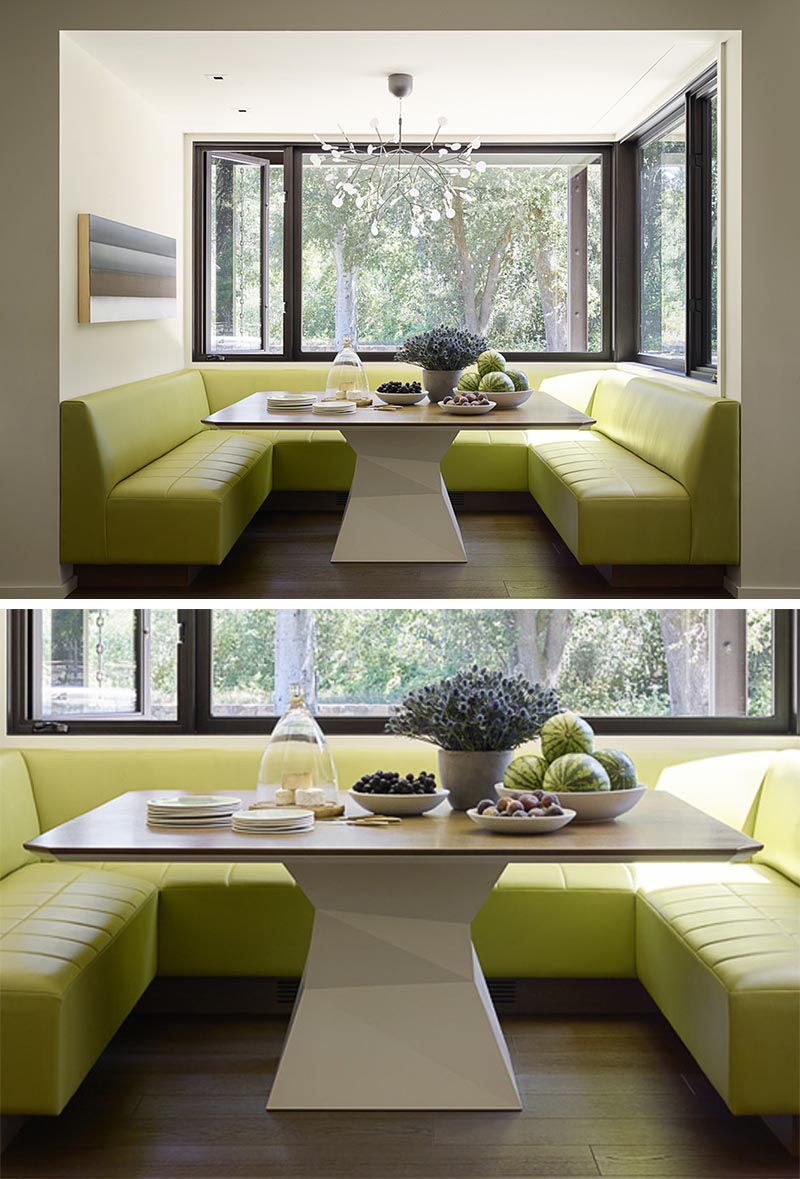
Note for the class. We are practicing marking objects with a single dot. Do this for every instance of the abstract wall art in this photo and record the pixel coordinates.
(123, 272)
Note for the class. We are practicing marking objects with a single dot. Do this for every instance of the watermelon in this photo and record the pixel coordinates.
(496, 382)
(619, 767)
(575, 773)
(566, 732)
(519, 379)
(525, 773)
(469, 381)
(491, 361)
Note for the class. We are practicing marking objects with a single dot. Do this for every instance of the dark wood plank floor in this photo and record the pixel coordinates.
(603, 1096)
(511, 555)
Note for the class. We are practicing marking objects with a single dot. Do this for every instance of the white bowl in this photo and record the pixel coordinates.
(401, 398)
(511, 399)
(468, 410)
(399, 804)
(530, 825)
(600, 806)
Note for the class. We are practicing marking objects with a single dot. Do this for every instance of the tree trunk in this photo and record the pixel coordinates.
(541, 640)
(466, 270)
(294, 657)
(346, 288)
(552, 297)
(686, 651)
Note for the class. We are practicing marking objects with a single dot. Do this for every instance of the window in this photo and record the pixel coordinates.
(676, 198)
(97, 664)
(281, 273)
(243, 247)
(662, 245)
(521, 265)
(631, 670)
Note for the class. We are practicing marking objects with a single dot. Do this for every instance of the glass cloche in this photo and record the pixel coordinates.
(347, 379)
(297, 767)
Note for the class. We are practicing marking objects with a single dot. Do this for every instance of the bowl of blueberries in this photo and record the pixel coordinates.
(400, 392)
(521, 813)
(388, 793)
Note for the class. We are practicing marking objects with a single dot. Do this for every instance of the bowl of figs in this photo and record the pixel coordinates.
(522, 813)
(387, 792)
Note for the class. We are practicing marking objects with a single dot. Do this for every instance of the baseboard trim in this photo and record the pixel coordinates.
(663, 576)
(511, 996)
(23, 592)
(336, 501)
(761, 591)
(136, 576)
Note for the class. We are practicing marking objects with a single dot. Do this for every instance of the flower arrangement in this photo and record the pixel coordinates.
(475, 710)
(442, 349)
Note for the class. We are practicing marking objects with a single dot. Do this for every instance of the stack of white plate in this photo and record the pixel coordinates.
(333, 405)
(192, 810)
(281, 401)
(273, 820)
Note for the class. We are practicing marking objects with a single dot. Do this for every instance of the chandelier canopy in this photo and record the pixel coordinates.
(376, 177)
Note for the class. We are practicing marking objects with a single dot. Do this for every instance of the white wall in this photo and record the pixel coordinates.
(121, 161)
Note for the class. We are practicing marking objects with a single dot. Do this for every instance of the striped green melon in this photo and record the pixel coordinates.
(496, 382)
(575, 773)
(469, 381)
(525, 773)
(619, 767)
(519, 379)
(491, 361)
(566, 732)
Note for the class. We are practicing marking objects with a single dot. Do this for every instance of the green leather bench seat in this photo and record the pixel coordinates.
(609, 505)
(77, 950)
(187, 507)
(654, 482)
(216, 919)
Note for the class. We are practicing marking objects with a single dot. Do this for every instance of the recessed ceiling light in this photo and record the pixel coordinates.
(241, 110)
(216, 77)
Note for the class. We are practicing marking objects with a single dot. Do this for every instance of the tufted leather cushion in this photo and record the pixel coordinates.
(777, 823)
(18, 818)
(609, 505)
(190, 505)
(722, 960)
(77, 949)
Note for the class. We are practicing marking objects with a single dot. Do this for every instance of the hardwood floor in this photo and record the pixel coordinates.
(511, 555)
(184, 1097)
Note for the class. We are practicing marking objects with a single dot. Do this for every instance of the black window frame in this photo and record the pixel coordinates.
(195, 716)
(292, 156)
(693, 108)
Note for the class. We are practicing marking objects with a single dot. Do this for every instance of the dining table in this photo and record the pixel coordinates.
(398, 509)
(393, 1011)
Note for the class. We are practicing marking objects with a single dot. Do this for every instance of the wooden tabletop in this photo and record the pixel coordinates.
(540, 411)
(661, 827)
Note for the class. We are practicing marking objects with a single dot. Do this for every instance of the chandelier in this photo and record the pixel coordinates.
(376, 177)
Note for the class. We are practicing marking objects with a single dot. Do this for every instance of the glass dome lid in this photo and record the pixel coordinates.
(297, 767)
(347, 378)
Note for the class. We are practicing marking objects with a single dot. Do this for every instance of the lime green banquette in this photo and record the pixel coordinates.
(717, 946)
(143, 482)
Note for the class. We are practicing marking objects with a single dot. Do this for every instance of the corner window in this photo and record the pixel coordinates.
(662, 245)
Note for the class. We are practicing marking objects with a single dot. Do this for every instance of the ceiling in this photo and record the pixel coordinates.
(503, 84)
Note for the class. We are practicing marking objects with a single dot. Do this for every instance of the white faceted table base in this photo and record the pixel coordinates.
(398, 508)
(394, 1011)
